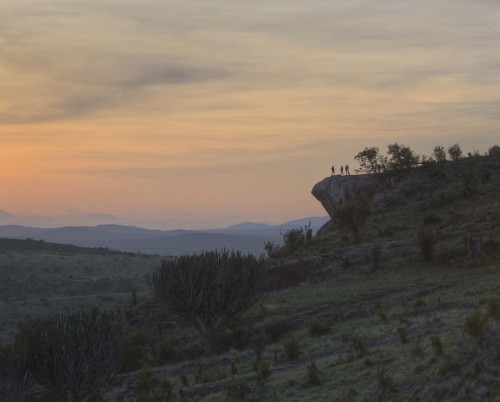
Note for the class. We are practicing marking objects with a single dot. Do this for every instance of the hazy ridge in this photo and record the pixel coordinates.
(247, 236)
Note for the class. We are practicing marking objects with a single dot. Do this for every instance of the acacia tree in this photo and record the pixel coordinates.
(455, 152)
(401, 157)
(73, 354)
(370, 161)
(439, 153)
(209, 289)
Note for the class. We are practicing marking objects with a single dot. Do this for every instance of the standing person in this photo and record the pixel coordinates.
(341, 170)
(347, 170)
(333, 170)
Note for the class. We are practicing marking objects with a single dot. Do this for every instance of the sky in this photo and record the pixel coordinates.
(183, 113)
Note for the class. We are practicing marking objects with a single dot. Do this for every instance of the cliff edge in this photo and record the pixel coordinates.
(333, 191)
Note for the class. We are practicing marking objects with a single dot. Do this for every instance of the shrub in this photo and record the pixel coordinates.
(145, 385)
(350, 216)
(494, 150)
(403, 334)
(455, 152)
(385, 381)
(437, 345)
(439, 153)
(263, 370)
(272, 249)
(292, 348)
(319, 327)
(426, 240)
(14, 380)
(476, 325)
(430, 219)
(74, 354)
(170, 352)
(238, 390)
(137, 351)
(259, 343)
(358, 347)
(313, 374)
(297, 238)
(382, 315)
(493, 308)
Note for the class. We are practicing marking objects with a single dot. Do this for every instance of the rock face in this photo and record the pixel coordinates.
(333, 191)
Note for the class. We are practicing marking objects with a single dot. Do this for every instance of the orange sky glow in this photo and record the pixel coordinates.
(181, 113)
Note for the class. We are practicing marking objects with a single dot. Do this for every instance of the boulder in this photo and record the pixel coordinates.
(335, 190)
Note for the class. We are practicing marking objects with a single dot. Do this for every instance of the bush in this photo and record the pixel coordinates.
(137, 351)
(297, 238)
(313, 374)
(350, 216)
(358, 347)
(259, 343)
(437, 345)
(292, 348)
(73, 354)
(431, 219)
(439, 153)
(455, 152)
(385, 381)
(319, 327)
(263, 370)
(238, 390)
(403, 334)
(170, 352)
(14, 380)
(477, 326)
(426, 240)
(145, 385)
(494, 150)
(493, 308)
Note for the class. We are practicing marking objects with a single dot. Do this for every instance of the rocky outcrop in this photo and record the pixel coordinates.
(384, 191)
(333, 191)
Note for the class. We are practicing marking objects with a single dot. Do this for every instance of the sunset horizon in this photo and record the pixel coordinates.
(222, 112)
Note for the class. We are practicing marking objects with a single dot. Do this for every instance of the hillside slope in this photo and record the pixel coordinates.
(345, 323)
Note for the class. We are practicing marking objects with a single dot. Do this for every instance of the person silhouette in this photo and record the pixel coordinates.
(341, 170)
(333, 170)
(347, 170)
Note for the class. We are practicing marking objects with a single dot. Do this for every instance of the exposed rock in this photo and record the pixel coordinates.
(385, 191)
(333, 191)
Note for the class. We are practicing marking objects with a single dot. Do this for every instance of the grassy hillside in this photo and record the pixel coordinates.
(376, 318)
(39, 279)
(340, 326)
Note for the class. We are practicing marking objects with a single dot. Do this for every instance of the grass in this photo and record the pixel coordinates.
(38, 280)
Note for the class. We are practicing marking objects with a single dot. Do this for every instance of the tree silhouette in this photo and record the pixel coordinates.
(455, 152)
(370, 161)
(209, 289)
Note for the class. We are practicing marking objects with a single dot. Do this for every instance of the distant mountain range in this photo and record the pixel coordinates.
(247, 236)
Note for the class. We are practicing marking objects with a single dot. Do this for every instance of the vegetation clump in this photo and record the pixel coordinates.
(209, 289)
(14, 377)
(351, 216)
(73, 354)
(426, 242)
